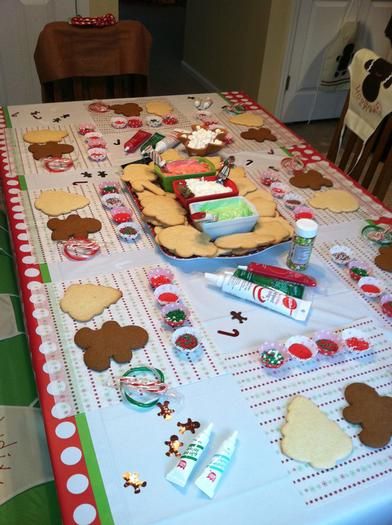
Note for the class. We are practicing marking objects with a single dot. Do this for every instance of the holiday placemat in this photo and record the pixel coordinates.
(366, 252)
(47, 250)
(322, 380)
(23, 158)
(82, 389)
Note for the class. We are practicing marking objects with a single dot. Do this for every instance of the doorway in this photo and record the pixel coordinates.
(165, 19)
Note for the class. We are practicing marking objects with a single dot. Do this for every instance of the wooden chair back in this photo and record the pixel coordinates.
(374, 169)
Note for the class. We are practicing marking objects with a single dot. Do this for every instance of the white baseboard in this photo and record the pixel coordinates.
(200, 78)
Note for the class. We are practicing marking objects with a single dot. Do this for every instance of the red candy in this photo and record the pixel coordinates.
(300, 351)
(326, 346)
(170, 120)
(357, 344)
(168, 297)
(158, 281)
(387, 308)
(370, 288)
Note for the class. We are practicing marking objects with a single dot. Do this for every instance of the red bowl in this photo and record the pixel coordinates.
(232, 191)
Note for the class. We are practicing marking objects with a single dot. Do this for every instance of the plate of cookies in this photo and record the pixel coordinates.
(204, 222)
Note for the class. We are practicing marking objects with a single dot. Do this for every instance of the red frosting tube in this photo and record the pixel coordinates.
(280, 273)
(136, 141)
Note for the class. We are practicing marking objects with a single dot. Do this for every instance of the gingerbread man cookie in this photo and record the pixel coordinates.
(384, 259)
(50, 149)
(130, 109)
(372, 411)
(73, 226)
(258, 134)
(311, 179)
(109, 341)
(189, 425)
(174, 445)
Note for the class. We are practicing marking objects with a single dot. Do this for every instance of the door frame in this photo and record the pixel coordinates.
(296, 7)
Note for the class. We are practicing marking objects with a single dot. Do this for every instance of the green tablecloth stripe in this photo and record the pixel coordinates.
(101, 499)
(22, 182)
(45, 274)
(7, 117)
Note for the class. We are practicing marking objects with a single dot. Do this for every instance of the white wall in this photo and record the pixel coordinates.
(20, 24)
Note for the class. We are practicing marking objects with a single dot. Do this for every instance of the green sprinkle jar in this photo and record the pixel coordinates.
(302, 244)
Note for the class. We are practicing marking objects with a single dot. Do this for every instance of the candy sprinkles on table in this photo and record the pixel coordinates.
(323, 380)
(108, 238)
(137, 306)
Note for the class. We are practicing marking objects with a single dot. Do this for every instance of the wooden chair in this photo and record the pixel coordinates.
(374, 169)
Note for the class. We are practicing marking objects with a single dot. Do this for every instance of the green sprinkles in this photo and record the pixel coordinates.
(359, 271)
(176, 316)
(272, 358)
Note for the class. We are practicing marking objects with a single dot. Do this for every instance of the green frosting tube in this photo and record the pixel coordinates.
(295, 290)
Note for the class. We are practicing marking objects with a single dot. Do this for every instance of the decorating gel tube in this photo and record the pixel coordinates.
(171, 141)
(209, 479)
(179, 475)
(297, 309)
(293, 289)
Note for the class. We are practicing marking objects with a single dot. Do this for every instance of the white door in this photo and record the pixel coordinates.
(20, 24)
(314, 25)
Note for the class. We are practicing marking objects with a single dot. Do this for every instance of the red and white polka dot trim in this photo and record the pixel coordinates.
(75, 493)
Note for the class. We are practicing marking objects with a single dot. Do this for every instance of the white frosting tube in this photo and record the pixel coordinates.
(210, 477)
(179, 475)
(297, 309)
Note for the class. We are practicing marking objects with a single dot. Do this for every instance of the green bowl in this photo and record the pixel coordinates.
(167, 180)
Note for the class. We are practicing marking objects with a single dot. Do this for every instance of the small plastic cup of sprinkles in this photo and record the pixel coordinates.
(86, 127)
(370, 287)
(186, 339)
(273, 355)
(159, 276)
(279, 189)
(128, 231)
(327, 342)
(303, 212)
(386, 304)
(109, 186)
(97, 154)
(169, 120)
(355, 340)
(121, 214)
(175, 314)
(96, 142)
(269, 176)
(118, 122)
(166, 294)
(301, 347)
(292, 200)
(154, 121)
(111, 200)
(135, 122)
(93, 135)
(340, 254)
(358, 269)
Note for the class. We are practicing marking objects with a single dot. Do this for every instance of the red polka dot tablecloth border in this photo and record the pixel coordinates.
(77, 501)
(302, 147)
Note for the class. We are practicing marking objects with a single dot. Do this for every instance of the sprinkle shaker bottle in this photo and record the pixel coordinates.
(302, 244)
